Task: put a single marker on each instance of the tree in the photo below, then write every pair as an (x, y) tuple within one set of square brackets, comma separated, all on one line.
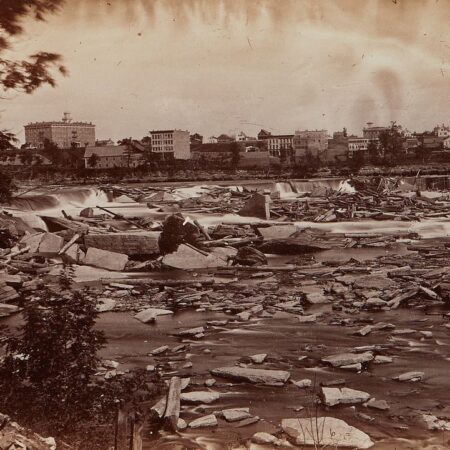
[(49, 366), (7, 140), (357, 161), (26, 75), (391, 144), (7, 187), (374, 153), (235, 155), (93, 160)]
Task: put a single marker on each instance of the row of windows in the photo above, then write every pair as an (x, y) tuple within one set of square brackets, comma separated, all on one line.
[(162, 142)]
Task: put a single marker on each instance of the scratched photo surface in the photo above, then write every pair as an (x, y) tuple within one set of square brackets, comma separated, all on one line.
[(224, 224)]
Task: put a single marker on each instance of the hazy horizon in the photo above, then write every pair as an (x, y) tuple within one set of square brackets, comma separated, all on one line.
[(212, 66)]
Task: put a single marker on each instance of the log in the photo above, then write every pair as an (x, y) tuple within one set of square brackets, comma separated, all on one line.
[(69, 244), (147, 282), (172, 413)]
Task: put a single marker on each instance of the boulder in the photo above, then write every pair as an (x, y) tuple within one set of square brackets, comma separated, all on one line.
[(258, 359), (73, 255), (150, 314), (127, 243), (378, 282), (322, 432), (205, 421), (343, 396), (256, 206), (346, 359), (87, 212), (263, 376), (105, 259)]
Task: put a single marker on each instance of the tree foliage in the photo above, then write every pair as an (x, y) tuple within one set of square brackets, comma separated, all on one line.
[(93, 160), (29, 74), (49, 366), (7, 187)]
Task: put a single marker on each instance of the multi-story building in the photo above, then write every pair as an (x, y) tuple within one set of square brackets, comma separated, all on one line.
[(196, 139), (373, 133), (276, 143), (65, 133), (358, 145), (171, 144), (310, 142)]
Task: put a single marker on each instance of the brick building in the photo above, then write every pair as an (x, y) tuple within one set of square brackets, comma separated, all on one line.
[(170, 144)]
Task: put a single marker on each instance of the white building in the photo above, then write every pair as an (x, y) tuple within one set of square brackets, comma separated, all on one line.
[(442, 131), (357, 145), (171, 143)]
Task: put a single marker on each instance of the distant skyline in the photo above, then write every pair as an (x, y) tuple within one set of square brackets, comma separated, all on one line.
[(218, 66)]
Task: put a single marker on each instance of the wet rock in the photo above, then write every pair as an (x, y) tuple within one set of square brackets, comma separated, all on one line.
[(382, 405), (181, 424), (346, 359), (380, 359), (263, 438), (160, 350), (258, 359), (210, 382), (205, 421), (353, 367), (434, 423), (192, 332), (308, 319), (364, 331), (235, 415), (200, 397), (277, 231), (306, 383), (343, 396), (87, 212), (410, 376), (326, 431), (316, 298), (378, 282), (105, 260), (150, 314), (263, 376)]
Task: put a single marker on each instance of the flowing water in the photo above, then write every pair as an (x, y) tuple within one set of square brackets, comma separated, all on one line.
[(285, 340)]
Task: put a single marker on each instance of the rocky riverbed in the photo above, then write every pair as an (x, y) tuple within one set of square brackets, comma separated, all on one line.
[(337, 335)]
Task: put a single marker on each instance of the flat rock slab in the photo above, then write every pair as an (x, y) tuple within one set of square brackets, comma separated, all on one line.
[(378, 282), (105, 260), (205, 421), (327, 432), (150, 314), (188, 257), (346, 359), (137, 243), (235, 415), (256, 206), (343, 396), (277, 231), (264, 376), (200, 397)]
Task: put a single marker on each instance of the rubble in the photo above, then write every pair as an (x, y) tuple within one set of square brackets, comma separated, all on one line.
[(105, 259)]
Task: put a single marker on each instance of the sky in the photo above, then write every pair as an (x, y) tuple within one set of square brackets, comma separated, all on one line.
[(214, 66)]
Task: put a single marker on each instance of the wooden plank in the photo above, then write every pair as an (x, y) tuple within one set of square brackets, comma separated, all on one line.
[(172, 413)]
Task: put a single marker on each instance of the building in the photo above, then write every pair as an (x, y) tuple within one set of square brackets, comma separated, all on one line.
[(171, 144), (64, 134), (242, 137), (446, 143), (212, 140), (442, 131), (358, 145), (103, 142), (112, 156), (276, 143), (306, 142), (373, 133)]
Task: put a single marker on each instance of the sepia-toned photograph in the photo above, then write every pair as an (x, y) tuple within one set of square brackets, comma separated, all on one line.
[(224, 224)]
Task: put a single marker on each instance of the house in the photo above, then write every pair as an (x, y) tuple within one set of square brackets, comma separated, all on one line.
[(358, 145), (242, 137), (212, 140), (442, 131), (432, 142), (446, 143), (223, 138), (112, 156)]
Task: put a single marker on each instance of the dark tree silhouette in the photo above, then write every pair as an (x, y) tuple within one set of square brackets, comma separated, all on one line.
[(26, 75)]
